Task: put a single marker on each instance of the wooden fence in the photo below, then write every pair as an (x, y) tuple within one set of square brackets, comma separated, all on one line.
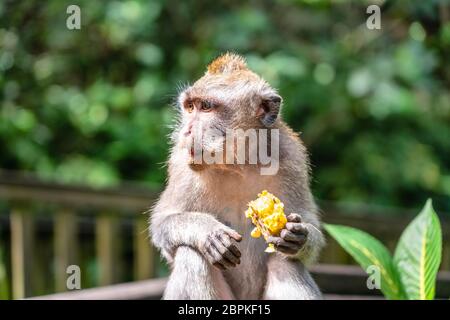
[(45, 227), (68, 214)]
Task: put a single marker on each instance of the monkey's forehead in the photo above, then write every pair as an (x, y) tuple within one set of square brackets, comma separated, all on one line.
[(230, 78), (233, 84)]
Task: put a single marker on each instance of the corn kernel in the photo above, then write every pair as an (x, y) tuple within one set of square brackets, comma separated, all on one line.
[(256, 233)]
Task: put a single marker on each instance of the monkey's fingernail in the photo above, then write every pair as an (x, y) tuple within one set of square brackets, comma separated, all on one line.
[(236, 236), (294, 217)]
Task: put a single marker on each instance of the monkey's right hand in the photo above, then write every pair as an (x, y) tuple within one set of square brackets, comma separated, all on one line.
[(220, 250)]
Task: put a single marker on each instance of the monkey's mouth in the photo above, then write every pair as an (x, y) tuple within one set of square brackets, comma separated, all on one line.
[(198, 154), (193, 155), (193, 164)]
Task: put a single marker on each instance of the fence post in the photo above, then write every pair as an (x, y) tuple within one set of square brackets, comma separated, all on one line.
[(143, 250), (445, 265), (21, 252), (107, 243), (65, 245)]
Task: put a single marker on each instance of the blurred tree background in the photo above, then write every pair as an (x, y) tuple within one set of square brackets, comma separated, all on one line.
[(93, 106)]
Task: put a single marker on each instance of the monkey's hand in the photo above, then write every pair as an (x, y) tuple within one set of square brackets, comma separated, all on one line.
[(292, 237), (220, 250)]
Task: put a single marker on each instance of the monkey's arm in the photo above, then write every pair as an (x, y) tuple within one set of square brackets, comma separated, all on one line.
[(197, 230), (302, 237), (173, 227)]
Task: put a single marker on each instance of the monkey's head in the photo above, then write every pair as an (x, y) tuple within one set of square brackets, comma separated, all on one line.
[(229, 96)]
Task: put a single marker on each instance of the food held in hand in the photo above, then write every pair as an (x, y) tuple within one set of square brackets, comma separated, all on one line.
[(267, 214)]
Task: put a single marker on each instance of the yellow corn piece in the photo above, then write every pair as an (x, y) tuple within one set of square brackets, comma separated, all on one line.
[(267, 214), (256, 233)]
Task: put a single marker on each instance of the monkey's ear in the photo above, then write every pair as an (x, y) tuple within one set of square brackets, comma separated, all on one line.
[(269, 109)]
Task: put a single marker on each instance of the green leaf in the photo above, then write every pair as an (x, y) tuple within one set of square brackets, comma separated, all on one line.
[(4, 291), (418, 254), (368, 251)]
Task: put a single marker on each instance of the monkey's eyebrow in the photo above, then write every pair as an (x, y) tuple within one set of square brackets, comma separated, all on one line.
[(198, 98), (215, 100)]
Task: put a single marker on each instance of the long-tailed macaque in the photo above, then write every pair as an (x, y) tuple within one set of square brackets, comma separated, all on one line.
[(199, 224)]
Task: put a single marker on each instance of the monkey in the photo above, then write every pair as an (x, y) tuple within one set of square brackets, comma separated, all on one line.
[(198, 223)]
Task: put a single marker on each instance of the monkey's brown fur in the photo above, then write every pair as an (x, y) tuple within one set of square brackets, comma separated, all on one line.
[(227, 63), (200, 214)]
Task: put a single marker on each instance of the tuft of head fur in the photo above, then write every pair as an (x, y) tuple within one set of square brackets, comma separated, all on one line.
[(227, 63)]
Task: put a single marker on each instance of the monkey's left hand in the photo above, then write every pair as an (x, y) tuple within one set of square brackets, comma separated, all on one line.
[(293, 237)]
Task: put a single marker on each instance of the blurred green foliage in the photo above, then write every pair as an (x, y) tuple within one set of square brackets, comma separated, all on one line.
[(4, 286), (93, 105)]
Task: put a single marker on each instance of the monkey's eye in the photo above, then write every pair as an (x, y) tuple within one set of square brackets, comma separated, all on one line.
[(206, 106), (189, 107)]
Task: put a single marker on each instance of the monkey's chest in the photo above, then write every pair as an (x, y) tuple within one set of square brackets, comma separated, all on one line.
[(247, 280)]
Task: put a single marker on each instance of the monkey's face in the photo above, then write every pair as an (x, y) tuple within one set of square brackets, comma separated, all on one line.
[(226, 98), (205, 119)]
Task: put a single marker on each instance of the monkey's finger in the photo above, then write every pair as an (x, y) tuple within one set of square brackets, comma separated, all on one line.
[(293, 237), (283, 246), (225, 254), (287, 250), (236, 236), (217, 250), (297, 228), (226, 241), (226, 263), (229, 250), (216, 258), (294, 217), (274, 240), (209, 257), (207, 253), (218, 265), (235, 251), (287, 247), (212, 260)]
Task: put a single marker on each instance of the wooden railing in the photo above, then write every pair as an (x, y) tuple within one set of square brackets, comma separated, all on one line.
[(45, 227), (69, 214)]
